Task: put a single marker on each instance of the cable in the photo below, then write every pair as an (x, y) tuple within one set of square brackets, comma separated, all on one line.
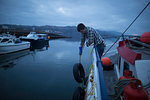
[(128, 27)]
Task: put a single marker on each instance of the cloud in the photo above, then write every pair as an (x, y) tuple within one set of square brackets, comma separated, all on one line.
[(64, 11), (101, 14)]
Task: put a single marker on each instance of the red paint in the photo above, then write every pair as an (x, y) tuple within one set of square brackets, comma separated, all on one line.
[(145, 37), (106, 61), (135, 91), (127, 75), (126, 53)]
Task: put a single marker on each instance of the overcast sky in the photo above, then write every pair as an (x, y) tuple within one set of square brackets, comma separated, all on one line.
[(113, 15)]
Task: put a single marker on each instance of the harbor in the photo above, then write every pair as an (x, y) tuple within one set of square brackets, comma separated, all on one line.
[(40, 74), (35, 66), (33, 71), (74, 50)]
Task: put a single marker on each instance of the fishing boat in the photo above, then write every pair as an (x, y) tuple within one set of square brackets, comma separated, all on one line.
[(12, 44), (34, 36), (36, 40), (128, 79)]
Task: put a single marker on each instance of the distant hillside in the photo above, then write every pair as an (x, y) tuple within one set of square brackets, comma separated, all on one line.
[(68, 31)]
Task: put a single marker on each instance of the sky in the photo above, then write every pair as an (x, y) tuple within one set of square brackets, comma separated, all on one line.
[(110, 15)]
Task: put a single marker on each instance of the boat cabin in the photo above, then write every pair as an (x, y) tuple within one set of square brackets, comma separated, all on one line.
[(34, 35)]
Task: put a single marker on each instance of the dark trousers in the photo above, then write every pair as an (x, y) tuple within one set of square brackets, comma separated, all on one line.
[(100, 49)]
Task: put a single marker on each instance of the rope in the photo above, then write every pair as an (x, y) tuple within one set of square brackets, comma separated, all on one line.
[(79, 58), (88, 76), (119, 88), (90, 55), (91, 66), (147, 86), (91, 91), (127, 28), (146, 93)]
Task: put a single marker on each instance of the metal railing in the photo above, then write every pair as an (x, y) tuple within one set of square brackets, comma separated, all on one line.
[(101, 77)]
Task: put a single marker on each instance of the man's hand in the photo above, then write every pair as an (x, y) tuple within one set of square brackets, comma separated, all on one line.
[(80, 50)]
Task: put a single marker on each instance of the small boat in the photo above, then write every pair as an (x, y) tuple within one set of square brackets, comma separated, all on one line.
[(12, 44), (36, 40), (34, 36)]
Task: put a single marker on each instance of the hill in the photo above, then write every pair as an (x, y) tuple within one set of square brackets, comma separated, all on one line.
[(67, 31)]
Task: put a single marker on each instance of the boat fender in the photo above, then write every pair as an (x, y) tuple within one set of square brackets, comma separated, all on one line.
[(106, 61), (145, 37), (78, 94), (107, 65), (78, 72)]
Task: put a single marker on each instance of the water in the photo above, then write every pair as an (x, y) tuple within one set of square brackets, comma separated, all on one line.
[(41, 74)]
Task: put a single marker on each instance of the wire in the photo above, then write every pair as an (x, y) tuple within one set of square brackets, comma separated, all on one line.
[(127, 28)]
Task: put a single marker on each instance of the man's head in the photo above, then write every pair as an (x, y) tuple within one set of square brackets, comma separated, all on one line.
[(81, 28)]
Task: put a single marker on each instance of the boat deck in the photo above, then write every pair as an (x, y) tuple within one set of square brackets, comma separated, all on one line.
[(111, 79)]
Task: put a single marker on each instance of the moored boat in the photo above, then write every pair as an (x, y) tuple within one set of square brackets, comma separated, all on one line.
[(34, 36), (36, 40), (12, 44)]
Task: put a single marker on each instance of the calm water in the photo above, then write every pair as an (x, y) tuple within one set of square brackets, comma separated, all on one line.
[(41, 74)]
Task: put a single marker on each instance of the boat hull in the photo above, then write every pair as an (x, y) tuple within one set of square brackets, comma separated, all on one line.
[(9, 48), (37, 44)]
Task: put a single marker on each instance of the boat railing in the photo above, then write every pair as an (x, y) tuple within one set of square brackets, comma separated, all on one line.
[(102, 85)]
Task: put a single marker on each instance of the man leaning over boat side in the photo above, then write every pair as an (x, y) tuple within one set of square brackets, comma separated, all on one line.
[(93, 37)]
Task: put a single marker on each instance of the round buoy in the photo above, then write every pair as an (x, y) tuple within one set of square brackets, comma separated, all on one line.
[(106, 61), (107, 65), (49, 37), (145, 37)]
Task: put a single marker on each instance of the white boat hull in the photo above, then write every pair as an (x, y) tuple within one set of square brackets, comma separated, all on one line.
[(11, 47)]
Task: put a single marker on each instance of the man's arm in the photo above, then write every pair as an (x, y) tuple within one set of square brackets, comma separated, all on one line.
[(82, 41)]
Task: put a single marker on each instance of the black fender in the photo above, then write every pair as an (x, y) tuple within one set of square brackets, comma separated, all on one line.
[(78, 72), (78, 94)]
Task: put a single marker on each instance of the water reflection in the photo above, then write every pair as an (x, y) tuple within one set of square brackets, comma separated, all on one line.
[(8, 60), (39, 45), (43, 74)]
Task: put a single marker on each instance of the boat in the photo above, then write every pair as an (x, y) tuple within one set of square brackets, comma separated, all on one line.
[(36, 40), (128, 79), (11, 44), (34, 36)]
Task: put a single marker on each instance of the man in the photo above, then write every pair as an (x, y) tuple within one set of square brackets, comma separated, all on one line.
[(92, 36)]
